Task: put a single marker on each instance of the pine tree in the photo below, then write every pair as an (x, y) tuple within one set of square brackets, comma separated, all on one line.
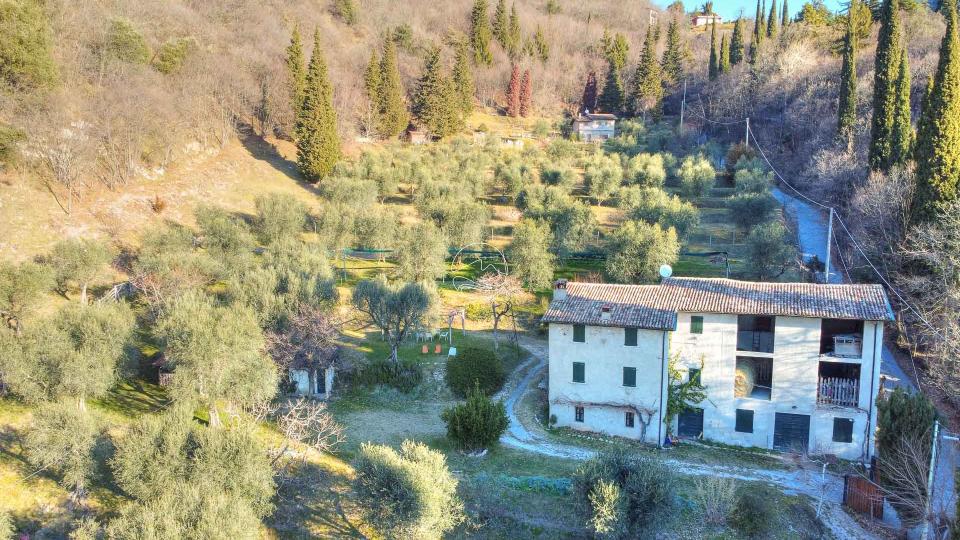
[(938, 142), (772, 20), (611, 98), (463, 80), (714, 60), (588, 103), (480, 33), (757, 34), (296, 69), (514, 36), (902, 130), (884, 91), (436, 101), (673, 55), (393, 117), (724, 65), (847, 112), (737, 45), (786, 15), (500, 23), (763, 17), (541, 49), (372, 84), (513, 93), (648, 85), (318, 144), (526, 94)]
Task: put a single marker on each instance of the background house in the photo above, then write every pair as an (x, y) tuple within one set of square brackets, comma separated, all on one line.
[(594, 126)]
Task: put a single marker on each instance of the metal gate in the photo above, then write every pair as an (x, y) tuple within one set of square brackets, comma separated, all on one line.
[(791, 432), (862, 495), (690, 424)]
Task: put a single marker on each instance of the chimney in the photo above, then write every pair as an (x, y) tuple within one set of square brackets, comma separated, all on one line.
[(605, 312), (560, 289)]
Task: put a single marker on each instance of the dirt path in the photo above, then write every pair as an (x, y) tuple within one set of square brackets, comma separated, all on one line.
[(800, 481)]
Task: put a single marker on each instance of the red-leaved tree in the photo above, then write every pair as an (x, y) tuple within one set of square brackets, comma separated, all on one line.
[(513, 93), (526, 94)]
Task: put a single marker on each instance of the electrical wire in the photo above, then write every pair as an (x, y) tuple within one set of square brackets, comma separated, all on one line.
[(782, 179)]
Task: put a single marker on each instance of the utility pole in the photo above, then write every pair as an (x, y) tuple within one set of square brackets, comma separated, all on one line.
[(746, 139), (826, 276), (933, 466), (683, 105)]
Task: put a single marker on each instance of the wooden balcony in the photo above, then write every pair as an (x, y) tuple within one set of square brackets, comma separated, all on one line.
[(838, 392)]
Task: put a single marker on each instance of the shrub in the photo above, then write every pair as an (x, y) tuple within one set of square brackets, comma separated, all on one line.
[(752, 181), (647, 170), (10, 138), (472, 367), (558, 175), (696, 174), (754, 511), (716, 496), (407, 494), (279, 217), (172, 54), (26, 59), (736, 153), (126, 43), (657, 206), (749, 209), (645, 484), (607, 510), (476, 423), (404, 375), (541, 129), (478, 311)]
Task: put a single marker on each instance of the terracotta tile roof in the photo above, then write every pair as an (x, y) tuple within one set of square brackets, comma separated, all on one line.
[(655, 306)]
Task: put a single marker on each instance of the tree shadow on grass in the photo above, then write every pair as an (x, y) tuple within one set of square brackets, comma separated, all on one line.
[(268, 153), (314, 503)]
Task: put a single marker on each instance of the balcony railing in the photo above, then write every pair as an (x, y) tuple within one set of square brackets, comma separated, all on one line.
[(838, 392), (755, 341)]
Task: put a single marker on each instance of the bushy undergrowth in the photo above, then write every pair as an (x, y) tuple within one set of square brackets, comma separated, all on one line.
[(475, 367), (754, 512), (404, 375), (476, 423)]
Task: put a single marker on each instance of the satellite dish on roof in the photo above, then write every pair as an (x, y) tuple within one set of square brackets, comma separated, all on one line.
[(665, 271)]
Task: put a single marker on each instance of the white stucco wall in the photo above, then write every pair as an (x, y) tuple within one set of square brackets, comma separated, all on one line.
[(604, 356)]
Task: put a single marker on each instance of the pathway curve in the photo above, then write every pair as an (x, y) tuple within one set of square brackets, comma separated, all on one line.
[(803, 481)]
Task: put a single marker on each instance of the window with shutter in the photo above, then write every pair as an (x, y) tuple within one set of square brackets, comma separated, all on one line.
[(630, 337), (578, 372), (628, 419), (696, 324), (843, 430), (744, 421), (578, 414), (629, 376), (579, 333)]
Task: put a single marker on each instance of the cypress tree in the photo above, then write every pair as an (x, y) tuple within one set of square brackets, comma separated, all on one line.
[(513, 93), (480, 33), (500, 23), (648, 89), (435, 103), (514, 37), (785, 15), (938, 143), (714, 61), (372, 84), (296, 69), (884, 91), (588, 103), (737, 44), (463, 80), (526, 94), (611, 98), (902, 130), (393, 117), (724, 66), (673, 55), (772, 21), (318, 144), (847, 111), (757, 34), (763, 17)]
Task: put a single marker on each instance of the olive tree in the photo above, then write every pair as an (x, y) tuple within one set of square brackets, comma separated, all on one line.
[(636, 250), (530, 255), (216, 353), (79, 261), (421, 253), (226, 238), (770, 251), (61, 440), (396, 311), (21, 287), (279, 216), (696, 174)]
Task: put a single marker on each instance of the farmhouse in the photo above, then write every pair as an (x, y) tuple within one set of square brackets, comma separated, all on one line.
[(594, 126), (786, 366)]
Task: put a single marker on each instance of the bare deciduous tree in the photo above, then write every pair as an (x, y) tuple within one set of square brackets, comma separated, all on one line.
[(501, 291)]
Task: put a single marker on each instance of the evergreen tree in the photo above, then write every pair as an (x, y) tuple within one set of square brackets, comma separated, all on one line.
[(463, 80), (772, 20), (847, 111), (615, 49), (611, 98), (540, 49), (436, 100), (296, 69), (513, 93), (372, 84), (589, 100), (938, 141), (884, 86), (758, 33), (648, 89), (714, 60), (786, 15), (763, 17), (737, 44), (480, 33), (393, 116), (526, 94), (724, 65), (673, 55), (318, 144), (514, 36), (500, 23), (902, 130)]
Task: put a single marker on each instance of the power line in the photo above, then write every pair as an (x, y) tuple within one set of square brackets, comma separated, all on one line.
[(842, 261), (782, 179)]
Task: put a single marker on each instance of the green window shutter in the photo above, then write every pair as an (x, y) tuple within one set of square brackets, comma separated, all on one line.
[(578, 372), (696, 324), (744, 421), (579, 333), (630, 337), (629, 376), (843, 430)]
